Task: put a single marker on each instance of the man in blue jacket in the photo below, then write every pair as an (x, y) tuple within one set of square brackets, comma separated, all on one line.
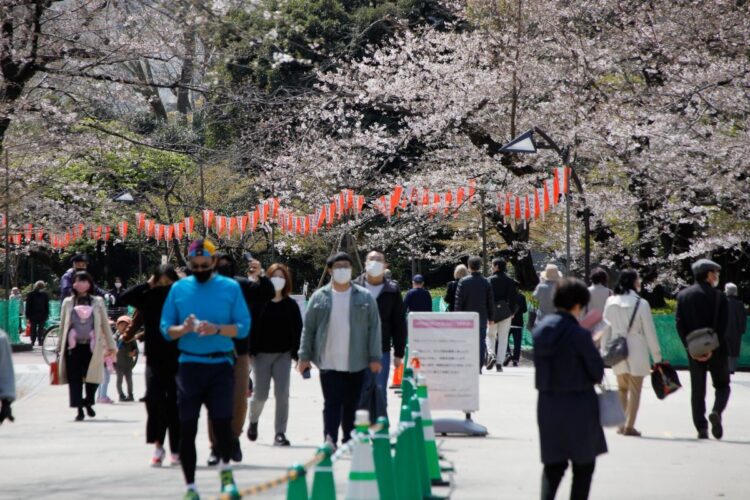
[(204, 312), (342, 337)]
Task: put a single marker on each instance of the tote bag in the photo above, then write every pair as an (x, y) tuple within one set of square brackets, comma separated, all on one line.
[(611, 413)]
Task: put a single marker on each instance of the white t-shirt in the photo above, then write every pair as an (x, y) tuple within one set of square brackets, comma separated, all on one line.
[(335, 355), (374, 289)]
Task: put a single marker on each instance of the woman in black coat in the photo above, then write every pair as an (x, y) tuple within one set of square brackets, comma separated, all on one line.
[(568, 366), (450, 291)]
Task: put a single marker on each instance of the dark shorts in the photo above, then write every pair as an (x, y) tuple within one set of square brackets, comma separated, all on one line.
[(205, 384)]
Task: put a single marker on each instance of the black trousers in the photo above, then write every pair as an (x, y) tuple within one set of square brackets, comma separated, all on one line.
[(76, 365), (37, 331), (341, 392), (516, 333), (553, 474), (718, 367), (161, 404)]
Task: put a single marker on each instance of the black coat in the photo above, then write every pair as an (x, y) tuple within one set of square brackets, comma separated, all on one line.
[(117, 297), (736, 325), (503, 288), (150, 301), (568, 366), (450, 295), (257, 294), (474, 293), (392, 316), (37, 306), (696, 308)]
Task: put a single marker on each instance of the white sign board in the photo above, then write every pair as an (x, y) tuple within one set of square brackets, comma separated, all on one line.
[(300, 300), (447, 345)]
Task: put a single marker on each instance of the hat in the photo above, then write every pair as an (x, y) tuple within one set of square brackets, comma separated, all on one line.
[(338, 257), (418, 278), (201, 248), (551, 273), (124, 318), (704, 266), (730, 289)]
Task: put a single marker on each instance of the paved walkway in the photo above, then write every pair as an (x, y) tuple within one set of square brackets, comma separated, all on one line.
[(45, 454)]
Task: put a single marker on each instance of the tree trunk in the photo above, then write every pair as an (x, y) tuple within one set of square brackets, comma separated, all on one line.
[(186, 77)]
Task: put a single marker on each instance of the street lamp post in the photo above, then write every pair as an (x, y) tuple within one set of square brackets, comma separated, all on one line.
[(127, 197)]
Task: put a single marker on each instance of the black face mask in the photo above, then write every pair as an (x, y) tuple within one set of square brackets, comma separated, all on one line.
[(203, 276), (224, 271)]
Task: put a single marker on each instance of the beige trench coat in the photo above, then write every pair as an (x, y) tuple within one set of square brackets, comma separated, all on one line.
[(104, 340), (642, 338)]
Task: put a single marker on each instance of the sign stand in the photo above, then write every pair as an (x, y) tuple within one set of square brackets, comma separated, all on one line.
[(447, 345)]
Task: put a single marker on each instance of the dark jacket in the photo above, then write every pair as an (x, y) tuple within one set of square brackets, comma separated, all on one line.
[(279, 328), (117, 297), (503, 288), (392, 316), (474, 293), (418, 300), (696, 308), (150, 301), (519, 305), (567, 366), (37, 306), (450, 295), (736, 325), (257, 294)]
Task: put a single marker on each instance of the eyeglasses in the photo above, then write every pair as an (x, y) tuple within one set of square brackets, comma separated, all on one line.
[(194, 267)]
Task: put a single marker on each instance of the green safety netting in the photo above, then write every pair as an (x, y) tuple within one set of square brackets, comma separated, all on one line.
[(672, 349), (10, 318)]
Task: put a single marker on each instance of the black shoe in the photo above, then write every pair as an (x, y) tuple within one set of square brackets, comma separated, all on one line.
[(515, 363), (213, 458), (123, 398), (491, 363), (252, 432), (507, 361), (236, 451), (142, 400), (499, 368), (90, 411), (716, 429), (702, 433), (281, 440), (80, 416), (130, 398)]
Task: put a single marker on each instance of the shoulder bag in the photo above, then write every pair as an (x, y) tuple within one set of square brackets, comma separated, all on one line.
[(704, 340), (617, 349)]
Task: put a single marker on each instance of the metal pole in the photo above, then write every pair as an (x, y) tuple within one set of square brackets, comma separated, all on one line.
[(567, 217), (484, 233)]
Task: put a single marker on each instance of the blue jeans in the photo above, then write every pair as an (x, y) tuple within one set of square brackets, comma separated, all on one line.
[(482, 344), (381, 379), (105, 385)]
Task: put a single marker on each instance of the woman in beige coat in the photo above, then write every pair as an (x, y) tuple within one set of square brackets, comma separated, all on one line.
[(85, 338), (641, 338)]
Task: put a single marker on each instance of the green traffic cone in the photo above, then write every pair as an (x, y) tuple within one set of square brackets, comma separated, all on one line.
[(419, 446), (381, 451), (324, 487), (407, 471), (363, 484), (297, 489), (433, 459), (408, 386)]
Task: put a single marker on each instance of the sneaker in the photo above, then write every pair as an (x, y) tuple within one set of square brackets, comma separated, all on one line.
[(716, 429), (252, 431), (281, 440), (174, 460), (499, 368), (236, 451), (191, 495), (158, 459), (329, 440), (213, 458), (130, 398), (123, 398), (491, 363), (507, 361), (228, 487), (515, 363)]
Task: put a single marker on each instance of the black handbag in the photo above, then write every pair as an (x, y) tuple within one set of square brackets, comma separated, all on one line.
[(617, 349), (373, 400), (531, 320), (664, 380), (502, 310)]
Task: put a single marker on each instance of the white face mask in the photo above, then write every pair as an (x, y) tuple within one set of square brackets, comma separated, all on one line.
[(375, 268), (278, 283), (342, 275), (118, 285)]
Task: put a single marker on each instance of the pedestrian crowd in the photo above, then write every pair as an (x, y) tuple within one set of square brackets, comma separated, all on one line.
[(216, 339)]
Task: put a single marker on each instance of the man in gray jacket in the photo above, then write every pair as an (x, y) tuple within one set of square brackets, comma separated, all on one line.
[(474, 293), (341, 335)]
